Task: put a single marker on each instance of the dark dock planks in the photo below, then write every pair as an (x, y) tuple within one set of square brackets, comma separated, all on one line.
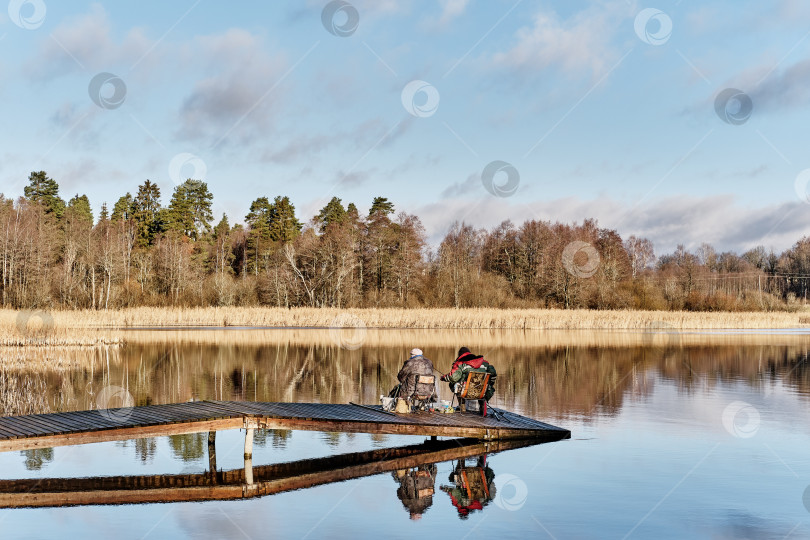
[(81, 427)]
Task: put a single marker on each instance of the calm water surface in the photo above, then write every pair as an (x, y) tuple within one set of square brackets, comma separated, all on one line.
[(670, 440)]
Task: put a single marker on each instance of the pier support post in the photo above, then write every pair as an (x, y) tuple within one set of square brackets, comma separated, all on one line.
[(248, 471), (249, 443), (212, 452)]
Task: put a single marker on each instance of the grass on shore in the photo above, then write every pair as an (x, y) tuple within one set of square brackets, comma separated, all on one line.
[(89, 328)]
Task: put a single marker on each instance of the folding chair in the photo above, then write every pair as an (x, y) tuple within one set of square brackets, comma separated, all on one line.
[(474, 388), (420, 400)]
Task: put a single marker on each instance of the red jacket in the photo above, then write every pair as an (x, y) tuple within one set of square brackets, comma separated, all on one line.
[(469, 359)]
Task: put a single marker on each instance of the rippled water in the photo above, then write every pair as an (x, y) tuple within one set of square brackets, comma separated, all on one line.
[(672, 438)]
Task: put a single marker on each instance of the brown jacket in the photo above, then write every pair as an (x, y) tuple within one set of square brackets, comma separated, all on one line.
[(415, 365)]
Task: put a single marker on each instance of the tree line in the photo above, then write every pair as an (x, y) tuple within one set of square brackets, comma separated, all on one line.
[(57, 254)]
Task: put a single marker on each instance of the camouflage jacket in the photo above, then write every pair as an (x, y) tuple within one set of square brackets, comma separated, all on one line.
[(415, 365)]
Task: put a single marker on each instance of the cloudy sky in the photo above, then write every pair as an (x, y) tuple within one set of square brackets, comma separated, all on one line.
[(613, 110)]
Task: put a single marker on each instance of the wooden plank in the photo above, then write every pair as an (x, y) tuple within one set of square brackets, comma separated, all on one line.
[(93, 426), (71, 421), (20, 425), (118, 434), (7, 433), (49, 424), (209, 411)]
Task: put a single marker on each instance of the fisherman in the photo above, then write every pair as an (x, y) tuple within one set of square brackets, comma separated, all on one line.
[(466, 362), (417, 364)]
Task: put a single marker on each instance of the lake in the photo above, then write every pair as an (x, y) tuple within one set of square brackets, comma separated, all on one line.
[(696, 435)]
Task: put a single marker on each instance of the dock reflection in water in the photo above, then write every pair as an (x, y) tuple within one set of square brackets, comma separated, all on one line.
[(413, 467)]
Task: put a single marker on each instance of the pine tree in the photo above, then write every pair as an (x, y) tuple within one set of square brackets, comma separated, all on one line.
[(124, 208), (45, 191), (382, 206), (147, 214), (352, 213), (80, 208), (380, 241), (258, 221), (222, 230), (190, 209), (283, 226), (330, 214)]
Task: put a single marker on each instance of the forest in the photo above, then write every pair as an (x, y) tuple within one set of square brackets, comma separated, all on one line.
[(58, 255)]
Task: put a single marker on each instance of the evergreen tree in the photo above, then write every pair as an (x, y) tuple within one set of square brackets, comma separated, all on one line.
[(283, 226), (190, 209), (222, 230), (104, 215), (258, 221), (380, 242), (45, 191), (124, 208), (333, 212), (352, 212), (382, 206), (79, 207), (146, 211)]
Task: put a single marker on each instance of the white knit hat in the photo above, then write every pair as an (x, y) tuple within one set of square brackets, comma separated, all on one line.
[(416, 352)]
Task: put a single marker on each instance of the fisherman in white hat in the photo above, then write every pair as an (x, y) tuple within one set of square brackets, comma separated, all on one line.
[(417, 364)]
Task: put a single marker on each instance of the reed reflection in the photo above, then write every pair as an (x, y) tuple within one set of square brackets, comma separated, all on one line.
[(541, 381)]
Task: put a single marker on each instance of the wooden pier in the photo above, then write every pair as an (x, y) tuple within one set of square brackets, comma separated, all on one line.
[(82, 427), (239, 483)]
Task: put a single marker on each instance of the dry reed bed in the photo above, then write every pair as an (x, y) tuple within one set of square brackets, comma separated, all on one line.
[(88, 328), (479, 340), (536, 319)]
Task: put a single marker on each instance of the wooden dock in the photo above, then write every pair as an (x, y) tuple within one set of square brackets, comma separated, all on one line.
[(82, 427), (239, 483)]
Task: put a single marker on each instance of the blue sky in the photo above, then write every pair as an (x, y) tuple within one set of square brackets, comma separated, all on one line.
[(599, 120)]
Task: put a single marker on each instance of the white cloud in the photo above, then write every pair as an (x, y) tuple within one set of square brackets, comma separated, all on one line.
[(238, 98), (581, 43), (668, 222), (84, 43), (451, 10)]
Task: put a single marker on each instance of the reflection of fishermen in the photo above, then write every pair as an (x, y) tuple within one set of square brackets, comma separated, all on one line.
[(416, 488), (473, 488), (417, 364)]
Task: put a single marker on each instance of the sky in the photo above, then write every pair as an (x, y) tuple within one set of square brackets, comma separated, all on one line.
[(683, 122)]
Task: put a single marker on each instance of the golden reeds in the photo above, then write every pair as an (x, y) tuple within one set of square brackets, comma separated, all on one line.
[(45, 324), (90, 328)]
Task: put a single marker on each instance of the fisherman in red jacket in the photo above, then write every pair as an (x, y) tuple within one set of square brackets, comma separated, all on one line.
[(466, 362)]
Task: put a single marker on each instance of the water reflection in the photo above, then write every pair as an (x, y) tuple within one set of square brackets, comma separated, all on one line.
[(36, 458), (414, 468), (544, 381), (144, 449), (188, 447), (416, 487), (473, 486)]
